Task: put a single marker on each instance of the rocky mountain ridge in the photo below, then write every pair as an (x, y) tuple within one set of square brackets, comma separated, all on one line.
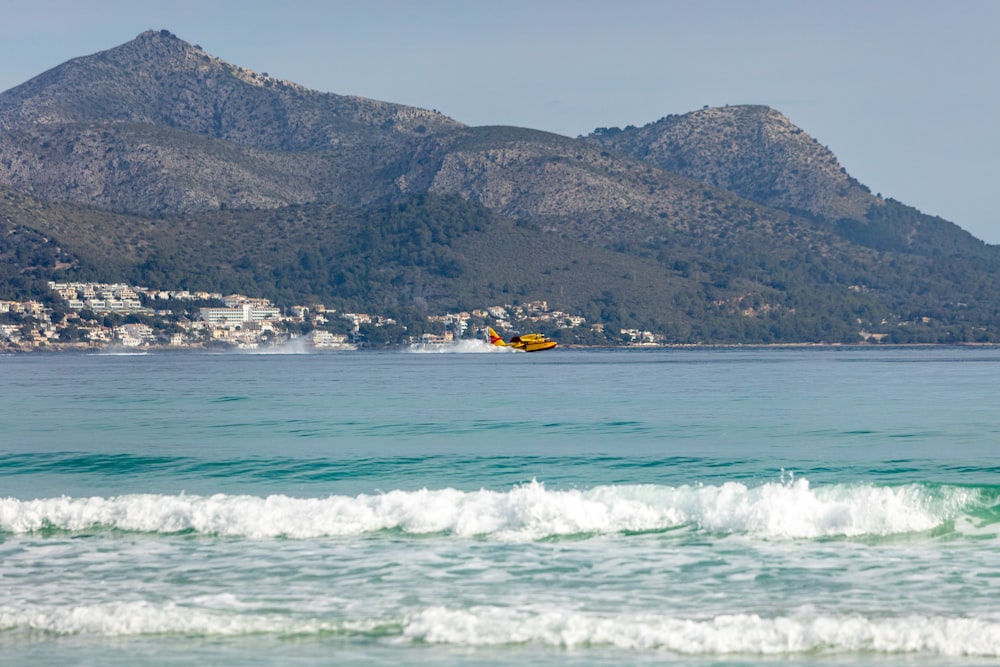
[(158, 125), (158, 79), (767, 158), (730, 215)]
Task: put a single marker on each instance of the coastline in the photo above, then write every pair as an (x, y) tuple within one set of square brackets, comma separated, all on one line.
[(67, 348)]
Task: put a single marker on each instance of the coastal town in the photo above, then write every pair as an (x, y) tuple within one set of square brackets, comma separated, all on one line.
[(88, 316)]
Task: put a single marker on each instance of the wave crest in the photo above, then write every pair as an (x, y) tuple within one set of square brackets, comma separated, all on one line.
[(723, 634), (791, 509), (499, 626)]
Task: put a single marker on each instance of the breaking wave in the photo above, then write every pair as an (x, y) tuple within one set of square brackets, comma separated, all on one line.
[(783, 510), (744, 633), (723, 634)]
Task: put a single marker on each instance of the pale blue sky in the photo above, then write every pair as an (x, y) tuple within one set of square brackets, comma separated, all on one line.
[(905, 92)]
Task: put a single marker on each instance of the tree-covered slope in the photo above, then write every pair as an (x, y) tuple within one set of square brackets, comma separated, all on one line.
[(159, 164), (434, 254)]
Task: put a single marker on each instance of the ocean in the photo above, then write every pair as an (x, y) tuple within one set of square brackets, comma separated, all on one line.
[(739, 506)]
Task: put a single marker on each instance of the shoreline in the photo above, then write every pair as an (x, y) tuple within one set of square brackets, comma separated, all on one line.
[(118, 350)]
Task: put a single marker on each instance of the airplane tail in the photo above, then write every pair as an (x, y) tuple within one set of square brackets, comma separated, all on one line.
[(495, 338)]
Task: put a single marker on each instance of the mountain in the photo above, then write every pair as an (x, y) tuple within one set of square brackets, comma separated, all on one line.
[(767, 158), (158, 125), (156, 162), (755, 152)]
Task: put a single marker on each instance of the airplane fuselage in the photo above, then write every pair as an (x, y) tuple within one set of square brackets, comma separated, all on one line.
[(532, 342)]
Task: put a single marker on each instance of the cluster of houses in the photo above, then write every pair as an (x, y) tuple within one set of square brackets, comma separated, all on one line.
[(508, 317), (99, 315)]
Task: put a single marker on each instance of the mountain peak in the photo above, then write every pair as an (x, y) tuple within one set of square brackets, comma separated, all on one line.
[(158, 79), (158, 37), (753, 151), (156, 124), (168, 47), (151, 44)]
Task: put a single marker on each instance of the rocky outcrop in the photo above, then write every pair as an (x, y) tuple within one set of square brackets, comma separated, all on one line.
[(160, 125), (752, 151)]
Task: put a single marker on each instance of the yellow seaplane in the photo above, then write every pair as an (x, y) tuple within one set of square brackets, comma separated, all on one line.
[(528, 342)]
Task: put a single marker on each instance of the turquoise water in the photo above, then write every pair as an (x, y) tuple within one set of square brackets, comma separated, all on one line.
[(677, 507)]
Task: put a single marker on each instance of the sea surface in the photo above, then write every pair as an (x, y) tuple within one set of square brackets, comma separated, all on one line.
[(815, 506)]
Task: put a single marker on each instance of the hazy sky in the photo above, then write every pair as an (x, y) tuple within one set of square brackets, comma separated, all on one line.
[(906, 93)]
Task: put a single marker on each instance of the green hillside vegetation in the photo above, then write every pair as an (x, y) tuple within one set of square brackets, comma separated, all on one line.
[(432, 254), (27, 261), (157, 164)]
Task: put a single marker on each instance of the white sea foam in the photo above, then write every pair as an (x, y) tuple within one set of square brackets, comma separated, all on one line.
[(744, 633), (115, 619), (299, 345), (125, 618), (723, 634), (527, 512), (464, 346)]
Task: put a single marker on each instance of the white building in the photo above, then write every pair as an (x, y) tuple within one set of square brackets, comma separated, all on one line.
[(248, 312)]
